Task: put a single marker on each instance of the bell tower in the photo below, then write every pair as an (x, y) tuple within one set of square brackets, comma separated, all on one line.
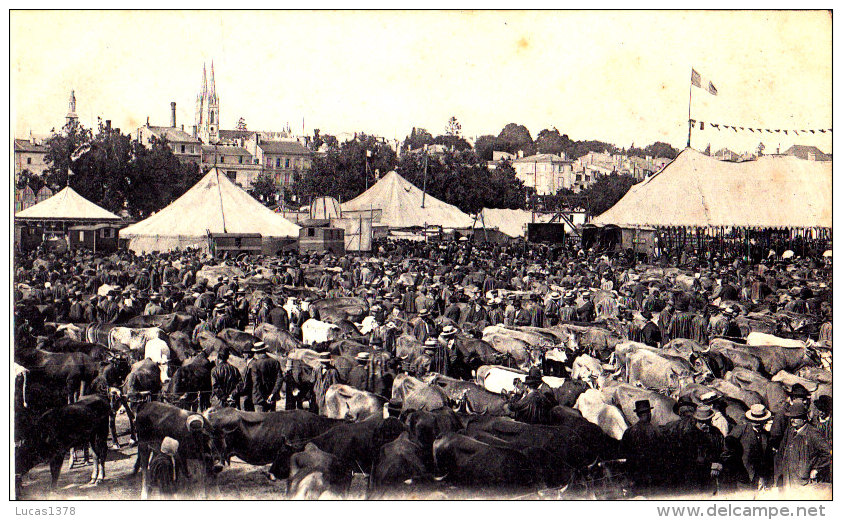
[(72, 118)]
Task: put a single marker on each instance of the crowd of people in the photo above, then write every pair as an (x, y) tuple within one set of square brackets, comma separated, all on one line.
[(437, 292)]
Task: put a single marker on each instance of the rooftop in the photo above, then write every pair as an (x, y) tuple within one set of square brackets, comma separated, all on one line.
[(283, 147), (225, 149), (542, 157), (25, 145), (173, 135)]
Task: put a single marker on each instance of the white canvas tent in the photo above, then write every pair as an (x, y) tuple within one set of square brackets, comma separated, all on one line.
[(215, 205), (400, 203), (512, 222), (699, 191), (67, 205)]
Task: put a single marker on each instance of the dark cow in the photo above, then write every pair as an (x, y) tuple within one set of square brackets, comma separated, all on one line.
[(355, 444), (418, 395), (335, 309), (190, 387), (773, 393), (195, 435), (169, 323), (210, 344), (96, 352), (277, 340), (472, 397), (143, 382), (775, 358), (257, 437), (73, 371), (475, 353), (574, 442), (426, 426), (78, 425), (399, 469), (476, 465), (569, 392), (238, 340), (181, 348), (108, 384)]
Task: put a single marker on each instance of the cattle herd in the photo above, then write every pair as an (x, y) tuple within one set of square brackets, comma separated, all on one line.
[(426, 370)]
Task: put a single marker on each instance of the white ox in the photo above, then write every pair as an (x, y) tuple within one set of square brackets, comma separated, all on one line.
[(126, 338), (595, 408), (315, 331), (760, 339), (499, 379)]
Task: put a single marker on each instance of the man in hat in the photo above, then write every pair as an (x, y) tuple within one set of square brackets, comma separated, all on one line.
[(265, 377), (510, 313), (798, 394), (823, 421), (359, 375), (705, 449), (650, 334), (326, 375), (587, 311), (241, 309), (225, 381), (424, 326), (753, 440), (804, 454), (567, 311), (456, 365), (495, 315), (534, 407), (641, 445), (719, 421), (423, 363)]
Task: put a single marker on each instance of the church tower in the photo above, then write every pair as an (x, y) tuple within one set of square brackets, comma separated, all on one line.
[(72, 118), (207, 109)]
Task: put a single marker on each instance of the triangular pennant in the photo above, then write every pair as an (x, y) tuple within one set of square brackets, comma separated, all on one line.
[(741, 128), (701, 125), (796, 132), (822, 131), (785, 132), (751, 130), (812, 131)]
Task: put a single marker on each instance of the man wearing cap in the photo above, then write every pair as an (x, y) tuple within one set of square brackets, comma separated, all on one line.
[(650, 334), (225, 381), (326, 375), (753, 440), (642, 445), (264, 377), (823, 421), (534, 407), (423, 363), (798, 394), (587, 311), (719, 420), (804, 454), (153, 308), (241, 309)]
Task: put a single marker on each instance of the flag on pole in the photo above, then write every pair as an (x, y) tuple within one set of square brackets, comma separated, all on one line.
[(80, 151), (697, 80)]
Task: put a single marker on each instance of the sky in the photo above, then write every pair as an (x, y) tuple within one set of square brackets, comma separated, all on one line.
[(621, 77)]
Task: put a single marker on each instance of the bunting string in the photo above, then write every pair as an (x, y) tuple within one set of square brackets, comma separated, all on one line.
[(720, 127)]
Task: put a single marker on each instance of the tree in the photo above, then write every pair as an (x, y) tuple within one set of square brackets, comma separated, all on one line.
[(345, 171), (27, 178), (461, 179), (264, 188), (116, 172), (551, 141), (760, 148), (485, 146), (417, 139), (452, 141), (514, 138), (453, 127), (241, 124), (606, 191)]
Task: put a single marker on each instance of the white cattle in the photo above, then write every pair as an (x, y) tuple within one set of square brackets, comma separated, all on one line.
[(368, 325), (761, 339), (498, 379), (314, 331), (586, 368), (158, 351), (125, 338), (593, 406)]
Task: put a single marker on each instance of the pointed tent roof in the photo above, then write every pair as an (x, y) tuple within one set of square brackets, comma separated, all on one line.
[(512, 222), (202, 208), (66, 205), (699, 191), (400, 202)]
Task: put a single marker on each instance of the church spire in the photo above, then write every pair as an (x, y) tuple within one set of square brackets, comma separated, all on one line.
[(71, 109), (212, 93)]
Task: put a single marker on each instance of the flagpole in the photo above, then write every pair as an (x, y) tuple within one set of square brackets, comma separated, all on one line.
[(689, 104)]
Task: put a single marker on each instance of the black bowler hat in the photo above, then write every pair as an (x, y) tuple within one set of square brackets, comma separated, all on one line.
[(642, 406)]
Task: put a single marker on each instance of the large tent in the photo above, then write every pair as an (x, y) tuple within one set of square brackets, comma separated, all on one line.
[(512, 222), (214, 205), (698, 191), (68, 206), (400, 203)]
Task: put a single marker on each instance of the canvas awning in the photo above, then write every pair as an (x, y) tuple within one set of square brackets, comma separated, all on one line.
[(67, 205)]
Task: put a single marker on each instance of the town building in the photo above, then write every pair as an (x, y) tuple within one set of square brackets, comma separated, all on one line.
[(808, 153), (186, 147), (546, 173), (30, 154)]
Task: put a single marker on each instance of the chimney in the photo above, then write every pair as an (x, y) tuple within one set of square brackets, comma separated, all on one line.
[(31, 137), (147, 121), (108, 124), (172, 106), (182, 127)]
